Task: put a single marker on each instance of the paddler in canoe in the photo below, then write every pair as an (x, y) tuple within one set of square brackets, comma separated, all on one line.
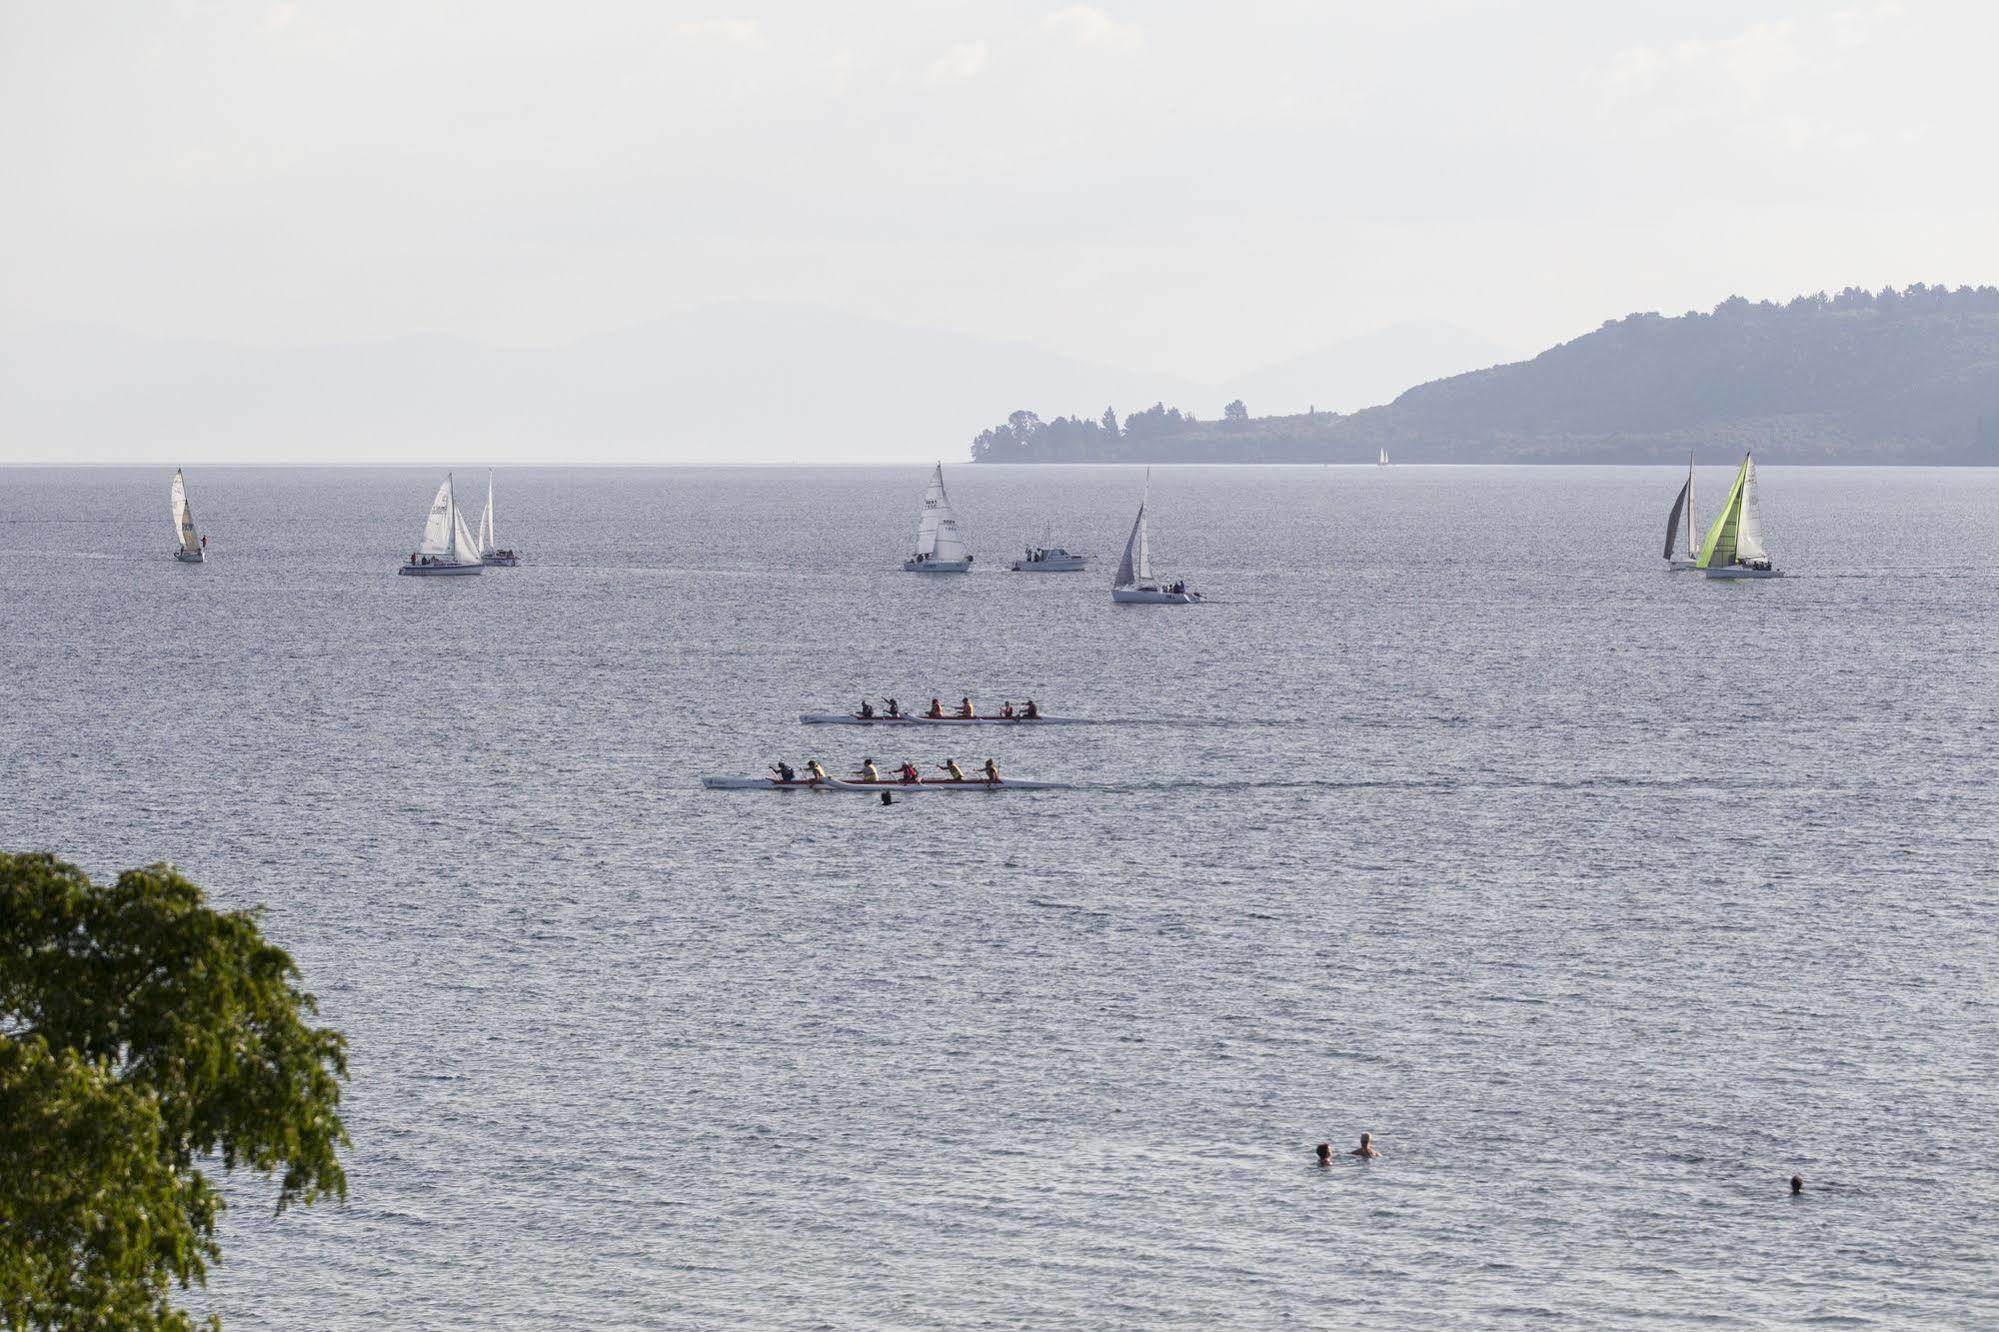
[(992, 772), (786, 774), (910, 776), (869, 772), (867, 712), (817, 773), (1032, 713), (965, 710), (951, 769), (936, 712)]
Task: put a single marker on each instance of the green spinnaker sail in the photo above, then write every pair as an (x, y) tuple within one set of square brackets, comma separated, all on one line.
[(1719, 548)]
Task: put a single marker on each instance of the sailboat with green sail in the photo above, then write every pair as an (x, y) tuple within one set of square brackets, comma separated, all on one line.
[(1734, 546)]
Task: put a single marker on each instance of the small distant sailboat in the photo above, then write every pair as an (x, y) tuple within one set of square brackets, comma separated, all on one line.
[(447, 547), (940, 547), (189, 546), (1134, 582), (488, 552), (1382, 461), (1734, 545), (1683, 506)]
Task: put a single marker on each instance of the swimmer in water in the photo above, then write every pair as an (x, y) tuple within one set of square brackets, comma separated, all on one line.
[(1325, 1153), (1797, 1185), (1366, 1151)]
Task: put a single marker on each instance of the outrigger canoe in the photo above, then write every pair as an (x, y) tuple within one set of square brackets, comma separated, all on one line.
[(886, 784), (911, 719)]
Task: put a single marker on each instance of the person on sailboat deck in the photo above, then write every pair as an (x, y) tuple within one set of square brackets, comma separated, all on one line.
[(867, 710), (936, 708), (992, 771), (957, 773), (965, 708), (784, 771), (1032, 713)]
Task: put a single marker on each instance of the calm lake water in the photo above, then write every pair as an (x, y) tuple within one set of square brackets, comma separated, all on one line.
[(1605, 898)]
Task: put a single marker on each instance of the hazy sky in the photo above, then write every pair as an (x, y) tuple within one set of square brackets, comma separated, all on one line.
[(1184, 188)]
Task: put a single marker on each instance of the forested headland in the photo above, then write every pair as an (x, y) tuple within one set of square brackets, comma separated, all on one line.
[(1908, 376)]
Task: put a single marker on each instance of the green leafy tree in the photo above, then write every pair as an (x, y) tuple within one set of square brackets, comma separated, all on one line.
[(1236, 413), (145, 1039)]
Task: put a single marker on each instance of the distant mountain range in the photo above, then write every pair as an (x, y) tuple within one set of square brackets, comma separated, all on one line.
[(741, 382), (1908, 376)]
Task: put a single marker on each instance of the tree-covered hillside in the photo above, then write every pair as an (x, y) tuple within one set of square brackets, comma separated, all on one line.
[(1895, 376)]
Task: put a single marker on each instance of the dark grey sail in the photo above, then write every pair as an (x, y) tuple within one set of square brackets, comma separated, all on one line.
[(1673, 519)]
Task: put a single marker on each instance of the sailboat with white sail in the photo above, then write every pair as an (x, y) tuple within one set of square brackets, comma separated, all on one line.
[(190, 547), (1683, 507), (1382, 460), (488, 552), (448, 548), (940, 546), (1734, 546), (1135, 583)]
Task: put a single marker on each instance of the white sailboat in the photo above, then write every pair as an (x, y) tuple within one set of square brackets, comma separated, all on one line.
[(1382, 461), (448, 548), (1683, 507), (1135, 583), (1734, 545), (488, 552), (189, 546), (940, 547)]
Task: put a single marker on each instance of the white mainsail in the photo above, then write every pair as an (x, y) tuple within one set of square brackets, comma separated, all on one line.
[(1749, 531), (1136, 566), (937, 536), (486, 518), (184, 531), (444, 533)]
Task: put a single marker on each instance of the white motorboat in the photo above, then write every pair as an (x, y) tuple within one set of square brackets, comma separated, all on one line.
[(1135, 584), (448, 548), (1734, 545), (940, 547), (1050, 559), (488, 552), (1683, 506), (190, 547)]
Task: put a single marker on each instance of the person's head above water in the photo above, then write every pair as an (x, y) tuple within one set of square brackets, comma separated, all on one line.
[(1325, 1153), (1797, 1183), (1366, 1150)]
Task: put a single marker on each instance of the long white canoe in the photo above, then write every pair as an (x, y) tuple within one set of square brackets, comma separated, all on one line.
[(835, 784), (855, 719)]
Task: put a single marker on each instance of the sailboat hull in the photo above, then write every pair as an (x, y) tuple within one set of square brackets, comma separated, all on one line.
[(1152, 596), (500, 561), (191, 556), (936, 566), (1682, 566), (1742, 571), (439, 570)]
